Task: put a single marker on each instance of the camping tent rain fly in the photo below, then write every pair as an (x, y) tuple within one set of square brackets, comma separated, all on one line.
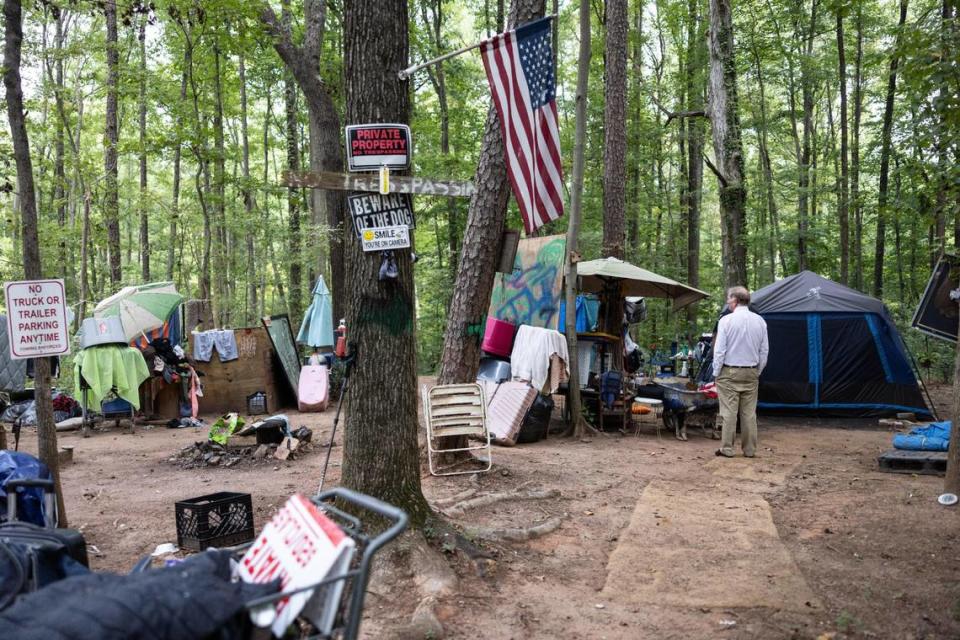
[(833, 350)]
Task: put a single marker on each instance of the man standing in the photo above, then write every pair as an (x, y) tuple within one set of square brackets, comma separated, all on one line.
[(739, 356)]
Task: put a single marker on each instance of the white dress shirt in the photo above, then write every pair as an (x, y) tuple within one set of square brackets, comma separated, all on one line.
[(741, 341)]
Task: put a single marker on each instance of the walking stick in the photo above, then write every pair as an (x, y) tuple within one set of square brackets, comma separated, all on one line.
[(348, 363)]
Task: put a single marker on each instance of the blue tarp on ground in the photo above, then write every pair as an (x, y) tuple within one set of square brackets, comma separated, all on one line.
[(932, 437)]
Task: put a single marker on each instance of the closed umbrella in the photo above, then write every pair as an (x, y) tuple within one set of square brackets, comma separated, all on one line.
[(316, 330), (141, 308)]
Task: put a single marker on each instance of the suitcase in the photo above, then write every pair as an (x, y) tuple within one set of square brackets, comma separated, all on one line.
[(48, 540)]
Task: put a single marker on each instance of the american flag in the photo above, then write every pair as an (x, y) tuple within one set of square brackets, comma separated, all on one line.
[(519, 67)]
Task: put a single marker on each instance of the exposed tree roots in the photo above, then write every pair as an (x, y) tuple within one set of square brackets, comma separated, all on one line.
[(493, 498), (516, 534)]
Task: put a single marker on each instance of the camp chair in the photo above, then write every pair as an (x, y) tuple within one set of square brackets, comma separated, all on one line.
[(455, 410)]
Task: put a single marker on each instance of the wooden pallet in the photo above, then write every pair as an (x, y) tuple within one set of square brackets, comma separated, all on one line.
[(921, 462)]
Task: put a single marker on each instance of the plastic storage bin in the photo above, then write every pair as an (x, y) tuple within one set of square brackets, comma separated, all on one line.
[(498, 337)]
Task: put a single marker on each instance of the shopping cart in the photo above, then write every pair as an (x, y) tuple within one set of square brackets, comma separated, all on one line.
[(356, 514)]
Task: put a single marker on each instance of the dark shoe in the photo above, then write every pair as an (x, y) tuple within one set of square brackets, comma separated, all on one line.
[(752, 455)]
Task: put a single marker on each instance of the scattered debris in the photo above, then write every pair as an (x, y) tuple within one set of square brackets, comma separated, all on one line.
[(164, 549), (207, 453)]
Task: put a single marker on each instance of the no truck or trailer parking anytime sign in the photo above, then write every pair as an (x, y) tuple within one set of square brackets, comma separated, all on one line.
[(371, 146), (37, 318), (374, 211)]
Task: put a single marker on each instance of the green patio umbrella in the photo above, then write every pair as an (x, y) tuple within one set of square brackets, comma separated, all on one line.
[(140, 308), (316, 330)]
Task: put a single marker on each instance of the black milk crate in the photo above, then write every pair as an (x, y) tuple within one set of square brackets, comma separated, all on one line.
[(223, 519)]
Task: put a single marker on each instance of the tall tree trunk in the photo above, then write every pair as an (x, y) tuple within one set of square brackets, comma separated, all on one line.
[(573, 228), (944, 133), (326, 153), (843, 193), (693, 192), (855, 203), (59, 174), (293, 198), (807, 71), (249, 225), (381, 455), (142, 204), (478, 260), (727, 143), (615, 130), (111, 205), (32, 266), (222, 273), (636, 174), (177, 157), (438, 79), (771, 202), (882, 212)]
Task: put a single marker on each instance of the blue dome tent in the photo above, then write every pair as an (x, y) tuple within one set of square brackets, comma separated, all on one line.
[(833, 350)]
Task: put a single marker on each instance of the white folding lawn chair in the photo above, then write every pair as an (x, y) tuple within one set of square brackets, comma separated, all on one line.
[(456, 410)]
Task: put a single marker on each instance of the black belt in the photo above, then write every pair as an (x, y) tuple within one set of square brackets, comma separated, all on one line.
[(741, 366)]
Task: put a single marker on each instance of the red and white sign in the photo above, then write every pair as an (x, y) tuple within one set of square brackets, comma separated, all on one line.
[(371, 146), (300, 546), (37, 318)]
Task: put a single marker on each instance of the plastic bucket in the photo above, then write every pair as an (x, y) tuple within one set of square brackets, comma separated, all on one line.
[(498, 337)]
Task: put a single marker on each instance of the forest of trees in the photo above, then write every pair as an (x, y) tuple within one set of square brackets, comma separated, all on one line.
[(819, 134)]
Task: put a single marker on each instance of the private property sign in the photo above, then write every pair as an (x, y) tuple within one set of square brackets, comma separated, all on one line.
[(371, 146), (37, 318)]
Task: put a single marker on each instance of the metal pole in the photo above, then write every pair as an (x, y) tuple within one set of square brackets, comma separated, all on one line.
[(403, 74)]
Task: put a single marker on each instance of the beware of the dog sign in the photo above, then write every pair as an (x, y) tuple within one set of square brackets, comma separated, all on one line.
[(371, 146)]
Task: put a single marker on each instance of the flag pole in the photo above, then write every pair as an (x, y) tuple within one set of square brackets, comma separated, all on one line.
[(403, 74)]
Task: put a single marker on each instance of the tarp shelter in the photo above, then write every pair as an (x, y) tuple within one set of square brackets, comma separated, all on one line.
[(833, 350)]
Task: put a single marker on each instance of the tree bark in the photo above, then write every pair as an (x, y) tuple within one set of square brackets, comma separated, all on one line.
[(478, 253), (32, 266), (381, 455), (142, 204), (727, 143), (111, 205), (615, 130), (177, 157), (885, 158), (843, 195)]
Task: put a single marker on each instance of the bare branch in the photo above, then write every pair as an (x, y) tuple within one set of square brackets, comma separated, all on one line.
[(716, 172)]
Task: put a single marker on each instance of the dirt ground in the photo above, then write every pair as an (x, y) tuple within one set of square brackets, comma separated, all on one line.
[(659, 538)]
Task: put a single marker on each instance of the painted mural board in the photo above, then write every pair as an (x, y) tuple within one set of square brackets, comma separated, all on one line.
[(532, 293)]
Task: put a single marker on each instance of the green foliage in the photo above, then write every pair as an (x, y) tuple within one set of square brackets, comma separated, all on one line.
[(667, 73)]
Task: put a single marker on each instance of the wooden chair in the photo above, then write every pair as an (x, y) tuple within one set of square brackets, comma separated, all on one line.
[(456, 410), (611, 382)]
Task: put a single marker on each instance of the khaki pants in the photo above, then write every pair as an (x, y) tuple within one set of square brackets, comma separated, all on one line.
[(737, 389)]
